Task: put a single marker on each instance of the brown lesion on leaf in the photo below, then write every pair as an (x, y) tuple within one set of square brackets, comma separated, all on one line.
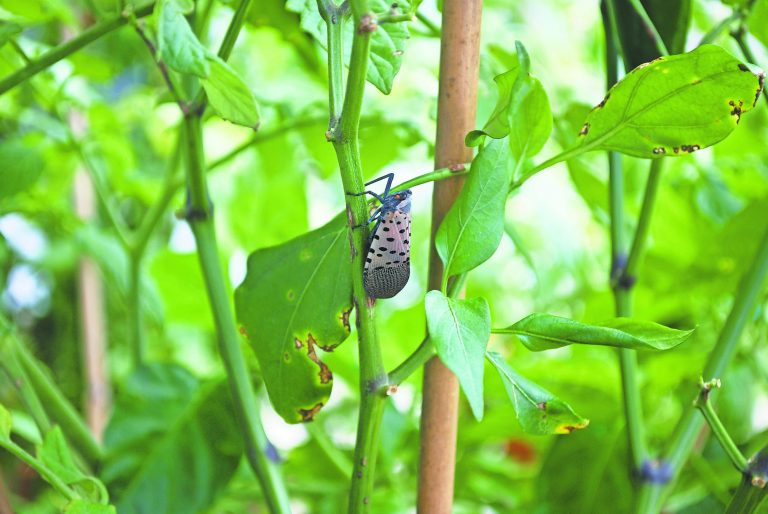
[(760, 86), (243, 332), (541, 405), (584, 130), (743, 67), (603, 102), (309, 414), (345, 319), (736, 111), (689, 148), (659, 150), (325, 373), (676, 149), (569, 428), (297, 342)]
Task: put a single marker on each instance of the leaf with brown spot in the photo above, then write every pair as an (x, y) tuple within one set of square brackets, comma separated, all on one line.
[(538, 411), (287, 329), (681, 101)]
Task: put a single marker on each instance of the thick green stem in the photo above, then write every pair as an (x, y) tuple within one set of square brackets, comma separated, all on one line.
[(747, 498), (344, 134), (135, 312), (233, 31), (45, 473), (200, 217), (73, 45), (689, 426), (630, 388)]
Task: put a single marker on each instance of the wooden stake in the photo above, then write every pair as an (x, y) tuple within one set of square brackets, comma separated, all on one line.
[(456, 109)]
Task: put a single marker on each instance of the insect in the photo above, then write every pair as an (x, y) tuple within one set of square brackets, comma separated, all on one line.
[(388, 260)]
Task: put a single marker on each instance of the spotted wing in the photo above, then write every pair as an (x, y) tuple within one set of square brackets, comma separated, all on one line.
[(388, 263)]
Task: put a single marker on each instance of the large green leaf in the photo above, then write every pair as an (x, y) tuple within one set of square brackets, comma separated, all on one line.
[(674, 105), (473, 227), (172, 442), (460, 330), (387, 41), (229, 95), (296, 299), (671, 19), (537, 410), (177, 45), (522, 111), (21, 166), (540, 332)]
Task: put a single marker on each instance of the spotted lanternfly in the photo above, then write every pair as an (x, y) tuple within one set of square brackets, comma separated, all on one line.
[(388, 258)]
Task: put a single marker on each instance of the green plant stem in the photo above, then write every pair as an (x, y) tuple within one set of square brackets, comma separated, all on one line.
[(393, 18), (45, 473), (563, 156), (135, 312), (644, 220), (199, 215), (20, 379), (688, 428), (747, 498), (433, 28), (331, 451), (412, 363), (344, 135), (650, 26), (713, 420), (718, 29), (233, 30), (746, 51), (630, 389), (73, 45)]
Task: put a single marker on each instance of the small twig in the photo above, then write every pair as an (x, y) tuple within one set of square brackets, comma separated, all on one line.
[(433, 28), (705, 406), (183, 105), (381, 19)]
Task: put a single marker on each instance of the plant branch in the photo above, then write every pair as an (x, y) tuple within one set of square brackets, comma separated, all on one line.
[(739, 36), (705, 406), (644, 221), (73, 45), (163, 68), (633, 412), (650, 27), (233, 30), (381, 19), (200, 217), (689, 426), (432, 27)]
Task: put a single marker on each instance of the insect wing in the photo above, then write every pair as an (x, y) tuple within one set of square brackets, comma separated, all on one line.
[(388, 263)]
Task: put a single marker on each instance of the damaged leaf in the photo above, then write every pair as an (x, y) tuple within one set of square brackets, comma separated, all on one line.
[(294, 301), (538, 411), (540, 332), (674, 105)]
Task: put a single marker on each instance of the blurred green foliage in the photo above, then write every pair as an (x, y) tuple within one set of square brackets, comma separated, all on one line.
[(105, 111)]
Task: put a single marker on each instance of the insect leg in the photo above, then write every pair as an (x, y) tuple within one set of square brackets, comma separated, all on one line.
[(379, 198), (375, 216), (389, 177)]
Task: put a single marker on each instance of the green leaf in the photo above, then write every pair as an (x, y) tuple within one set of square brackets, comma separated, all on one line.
[(460, 330), (55, 454), (229, 95), (674, 105), (295, 300), (22, 165), (5, 424), (88, 507), (540, 332), (497, 125), (172, 442), (387, 41), (522, 111), (671, 19), (177, 44), (474, 226), (538, 411), (8, 29)]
